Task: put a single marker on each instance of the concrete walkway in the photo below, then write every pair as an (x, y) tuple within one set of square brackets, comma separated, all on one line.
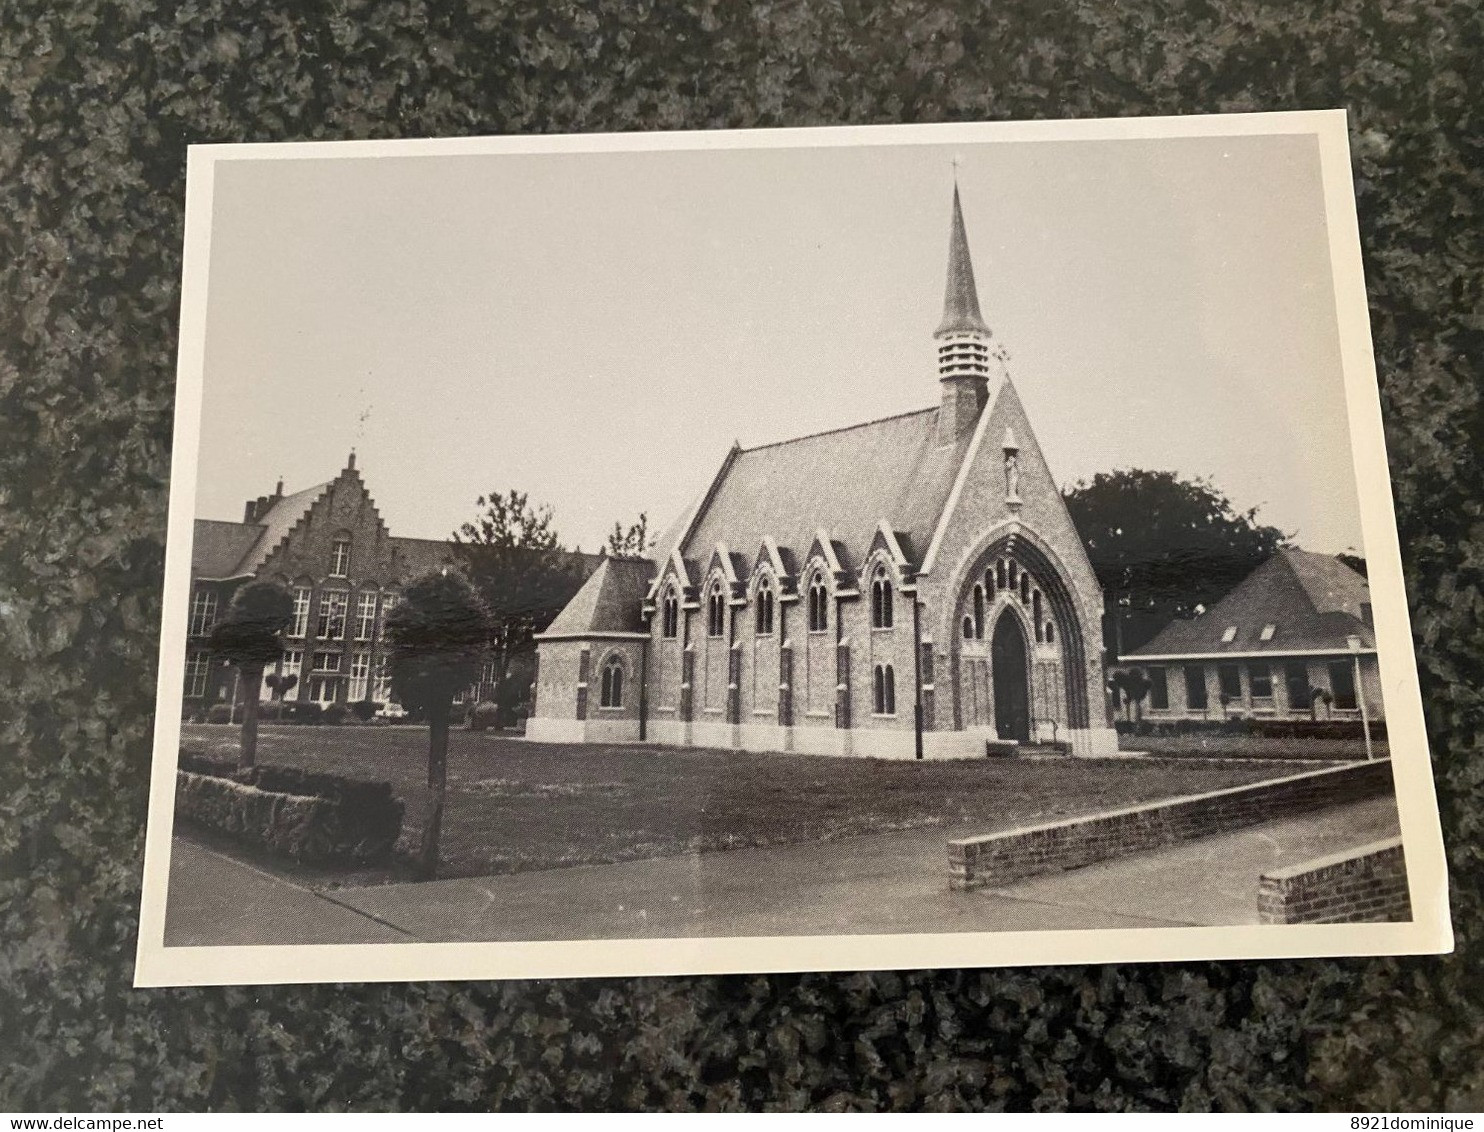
[(887, 883), (215, 899)]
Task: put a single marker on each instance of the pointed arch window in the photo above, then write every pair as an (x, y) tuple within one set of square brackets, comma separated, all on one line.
[(1036, 615), (968, 628), (989, 586), (1050, 632), (819, 605), (999, 575), (612, 696), (763, 612), (670, 616), (1025, 586), (716, 612), (1014, 573), (979, 613), (884, 690), (881, 599)]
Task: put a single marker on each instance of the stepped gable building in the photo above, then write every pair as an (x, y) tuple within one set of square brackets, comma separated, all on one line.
[(1298, 624), (330, 548), (907, 586)]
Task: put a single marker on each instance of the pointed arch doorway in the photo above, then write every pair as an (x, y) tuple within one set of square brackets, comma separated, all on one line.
[(1011, 676)]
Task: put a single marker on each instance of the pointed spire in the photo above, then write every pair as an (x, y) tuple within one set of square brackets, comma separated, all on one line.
[(960, 298)]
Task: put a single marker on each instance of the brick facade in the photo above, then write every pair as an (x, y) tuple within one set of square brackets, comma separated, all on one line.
[(1364, 885)]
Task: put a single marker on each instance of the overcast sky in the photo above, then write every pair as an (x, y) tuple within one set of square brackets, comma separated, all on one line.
[(597, 329)]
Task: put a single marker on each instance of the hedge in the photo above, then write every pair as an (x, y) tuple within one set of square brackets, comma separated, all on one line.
[(308, 816)]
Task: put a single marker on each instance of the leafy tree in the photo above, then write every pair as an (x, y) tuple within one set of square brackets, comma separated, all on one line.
[(514, 560), (1134, 685), (436, 639), (280, 684), (1162, 546), (250, 636), (634, 542)]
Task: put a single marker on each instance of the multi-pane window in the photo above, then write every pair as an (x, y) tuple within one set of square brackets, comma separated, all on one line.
[(819, 606), (716, 612), (881, 611), (1261, 677), (612, 696), (388, 603), (293, 662), (382, 692), (327, 662), (300, 625), (365, 616), (1195, 687), (1342, 684), (332, 607), (1230, 677), (884, 690), (340, 558), (198, 667), (360, 673), (670, 616), (203, 612), (1159, 689), (763, 614)]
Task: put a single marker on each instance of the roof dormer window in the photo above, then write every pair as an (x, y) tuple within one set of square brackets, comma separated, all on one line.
[(1267, 632), (1229, 634)]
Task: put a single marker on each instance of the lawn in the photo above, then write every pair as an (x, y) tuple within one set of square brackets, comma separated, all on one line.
[(515, 806)]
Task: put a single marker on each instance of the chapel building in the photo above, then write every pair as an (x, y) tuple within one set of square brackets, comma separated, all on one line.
[(911, 586)]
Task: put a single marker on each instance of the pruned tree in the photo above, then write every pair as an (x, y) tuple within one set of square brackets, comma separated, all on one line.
[(436, 639), (514, 560), (635, 541), (250, 636), (1162, 547), (1134, 684), (280, 684)]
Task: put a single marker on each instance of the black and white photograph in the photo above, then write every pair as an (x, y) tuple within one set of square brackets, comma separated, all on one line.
[(782, 550)]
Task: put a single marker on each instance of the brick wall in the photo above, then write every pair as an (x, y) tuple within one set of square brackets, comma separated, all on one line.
[(1365, 885), (1000, 858)]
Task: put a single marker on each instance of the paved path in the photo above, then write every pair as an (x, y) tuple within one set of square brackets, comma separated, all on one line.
[(215, 899), (887, 883)]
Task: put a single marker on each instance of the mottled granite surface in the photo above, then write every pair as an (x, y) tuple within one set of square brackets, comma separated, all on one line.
[(97, 102)]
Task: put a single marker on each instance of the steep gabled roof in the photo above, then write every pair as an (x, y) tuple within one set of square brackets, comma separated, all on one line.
[(217, 547), (609, 601), (845, 481), (1313, 601), (276, 522)]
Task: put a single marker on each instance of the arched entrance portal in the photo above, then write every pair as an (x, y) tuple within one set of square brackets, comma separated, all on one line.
[(1009, 669)]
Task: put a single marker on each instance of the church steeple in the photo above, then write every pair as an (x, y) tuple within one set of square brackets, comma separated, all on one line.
[(962, 339)]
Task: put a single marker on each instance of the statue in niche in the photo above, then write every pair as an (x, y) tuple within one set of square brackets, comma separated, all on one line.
[(1012, 476)]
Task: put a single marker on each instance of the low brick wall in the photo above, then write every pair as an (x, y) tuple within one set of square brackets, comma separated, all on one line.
[(1360, 886), (1003, 857)]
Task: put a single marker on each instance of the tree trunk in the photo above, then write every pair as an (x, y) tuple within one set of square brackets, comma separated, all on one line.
[(438, 715), (252, 680)]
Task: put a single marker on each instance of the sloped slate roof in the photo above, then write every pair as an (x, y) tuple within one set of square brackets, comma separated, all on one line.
[(413, 557), (610, 601), (276, 523), (961, 296), (844, 481), (1313, 600), (217, 547)]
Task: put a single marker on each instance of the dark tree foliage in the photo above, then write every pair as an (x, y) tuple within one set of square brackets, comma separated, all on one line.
[(436, 638), (1162, 546), (633, 541), (250, 636)]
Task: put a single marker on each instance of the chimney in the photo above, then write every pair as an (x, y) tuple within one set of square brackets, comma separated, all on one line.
[(278, 490), (250, 511)]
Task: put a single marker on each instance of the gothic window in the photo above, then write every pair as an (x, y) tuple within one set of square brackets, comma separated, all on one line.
[(999, 575), (763, 613), (340, 558), (979, 613), (1050, 633), (819, 605), (1036, 615), (670, 616), (1025, 586), (612, 683), (989, 586), (968, 628), (884, 691), (881, 611), (716, 612), (203, 612), (1014, 573)]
